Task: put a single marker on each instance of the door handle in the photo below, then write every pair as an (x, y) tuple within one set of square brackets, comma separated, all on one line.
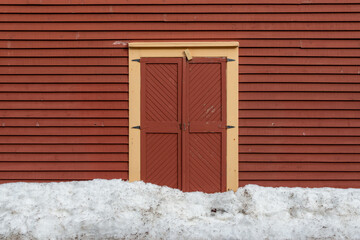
[(182, 126)]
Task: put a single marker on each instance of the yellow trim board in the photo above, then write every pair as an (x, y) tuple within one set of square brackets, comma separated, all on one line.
[(182, 44), (176, 49)]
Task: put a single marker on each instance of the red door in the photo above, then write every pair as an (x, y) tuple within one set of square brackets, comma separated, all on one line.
[(183, 123)]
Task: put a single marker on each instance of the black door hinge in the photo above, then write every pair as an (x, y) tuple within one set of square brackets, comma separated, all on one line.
[(136, 127), (228, 126), (230, 60), (136, 60)]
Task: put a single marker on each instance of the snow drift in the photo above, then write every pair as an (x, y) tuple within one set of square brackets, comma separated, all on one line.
[(116, 209)]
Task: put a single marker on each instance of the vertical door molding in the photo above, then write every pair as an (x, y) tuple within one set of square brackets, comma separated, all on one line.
[(227, 50)]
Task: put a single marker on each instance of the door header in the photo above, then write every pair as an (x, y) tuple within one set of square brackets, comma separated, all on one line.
[(182, 44)]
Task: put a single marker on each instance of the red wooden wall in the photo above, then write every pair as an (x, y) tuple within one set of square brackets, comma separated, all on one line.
[(64, 85)]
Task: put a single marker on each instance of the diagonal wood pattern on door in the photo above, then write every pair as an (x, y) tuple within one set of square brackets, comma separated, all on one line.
[(183, 123), (161, 88), (161, 164), (205, 162), (206, 114), (205, 92), (160, 119)]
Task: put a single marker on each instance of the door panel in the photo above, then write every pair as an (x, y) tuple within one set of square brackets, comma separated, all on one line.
[(161, 94), (205, 91), (205, 162), (205, 113), (160, 119), (162, 159)]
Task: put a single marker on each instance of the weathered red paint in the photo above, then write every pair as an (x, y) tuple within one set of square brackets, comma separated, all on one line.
[(161, 110), (64, 93), (205, 115), (183, 123)]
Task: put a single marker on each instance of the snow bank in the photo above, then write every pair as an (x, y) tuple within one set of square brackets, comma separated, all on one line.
[(116, 209)]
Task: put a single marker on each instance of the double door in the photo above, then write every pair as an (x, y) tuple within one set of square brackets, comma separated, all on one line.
[(183, 123)]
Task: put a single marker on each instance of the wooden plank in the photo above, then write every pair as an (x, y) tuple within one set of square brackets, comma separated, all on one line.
[(296, 52), (268, 69), (265, 183), (89, 61), (64, 79), (41, 148), (120, 122), (302, 183), (63, 70), (177, 26), (310, 78), (299, 104), (93, 44), (64, 105), (299, 148), (38, 181), (104, 44), (63, 157), (269, 50), (300, 176), (278, 122), (10, 44), (299, 87), (64, 113), (177, 35), (301, 114), (63, 140), (278, 131), (244, 43), (63, 52), (299, 167), (63, 131), (331, 96), (65, 87), (183, 8), (338, 140), (59, 175), (70, 96), (63, 166), (330, 44), (170, 2), (302, 61), (299, 157), (181, 17)]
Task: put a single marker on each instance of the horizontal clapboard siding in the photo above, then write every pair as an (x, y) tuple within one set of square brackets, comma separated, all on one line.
[(64, 85)]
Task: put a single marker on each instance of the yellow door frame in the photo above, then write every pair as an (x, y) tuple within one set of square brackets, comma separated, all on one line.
[(229, 50)]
